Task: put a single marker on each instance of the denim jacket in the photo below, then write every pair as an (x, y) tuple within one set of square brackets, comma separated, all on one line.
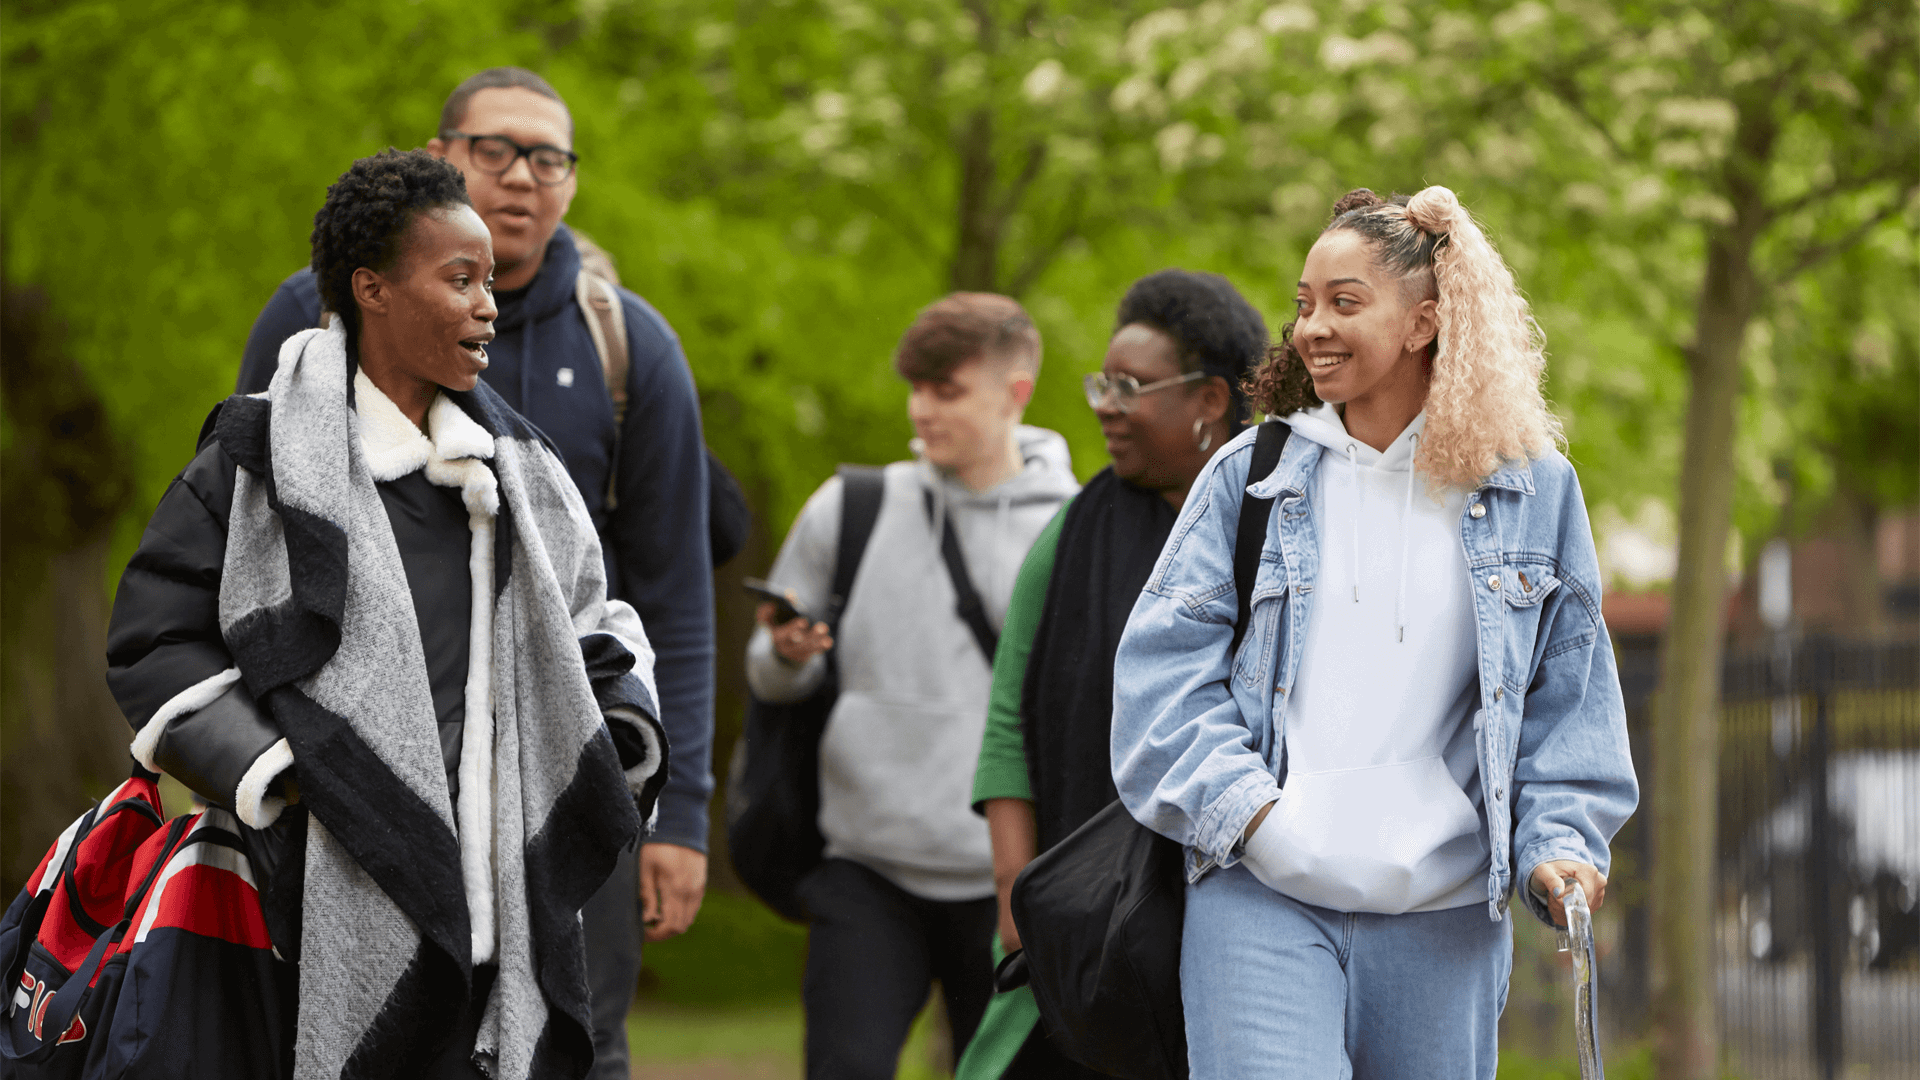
[(1550, 730)]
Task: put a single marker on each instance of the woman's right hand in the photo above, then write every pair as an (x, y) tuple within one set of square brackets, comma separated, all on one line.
[(794, 641)]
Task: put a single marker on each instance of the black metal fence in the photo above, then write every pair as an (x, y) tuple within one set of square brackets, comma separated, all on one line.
[(1818, 930), (1819, 860)]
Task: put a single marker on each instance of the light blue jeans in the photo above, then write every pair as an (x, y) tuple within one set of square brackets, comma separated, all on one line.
[(1276, 988)]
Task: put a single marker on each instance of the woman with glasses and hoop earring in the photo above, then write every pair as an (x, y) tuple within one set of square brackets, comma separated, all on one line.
[(1168, 395)]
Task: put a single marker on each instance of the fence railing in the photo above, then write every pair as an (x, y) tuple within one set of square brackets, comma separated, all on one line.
[(1818, 847), (1819, 859)]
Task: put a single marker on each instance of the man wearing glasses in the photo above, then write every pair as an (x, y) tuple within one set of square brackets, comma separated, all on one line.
[(644, 479)]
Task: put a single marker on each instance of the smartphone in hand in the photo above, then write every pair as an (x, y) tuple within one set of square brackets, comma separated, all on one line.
[(784, 608)]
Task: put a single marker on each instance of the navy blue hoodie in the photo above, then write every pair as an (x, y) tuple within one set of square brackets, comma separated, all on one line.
[(542, 361)]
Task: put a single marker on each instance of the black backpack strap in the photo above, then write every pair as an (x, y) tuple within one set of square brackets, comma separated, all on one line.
[(860, 491), (1252, 533), (967, 602)]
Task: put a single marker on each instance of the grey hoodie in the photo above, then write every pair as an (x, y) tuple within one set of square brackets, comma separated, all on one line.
[(896, 762)]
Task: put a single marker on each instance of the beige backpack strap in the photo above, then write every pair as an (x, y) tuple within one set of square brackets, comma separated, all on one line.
[(599, 301), (607, 322)]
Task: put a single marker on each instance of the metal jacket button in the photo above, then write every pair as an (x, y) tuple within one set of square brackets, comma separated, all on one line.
[(1493, 582), (1499, 692), (1477, 510)]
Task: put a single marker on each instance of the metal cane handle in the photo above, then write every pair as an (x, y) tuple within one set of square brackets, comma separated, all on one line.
[(1577, 939)]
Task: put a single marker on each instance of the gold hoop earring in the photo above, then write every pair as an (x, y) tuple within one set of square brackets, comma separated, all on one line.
[(1203, 441)]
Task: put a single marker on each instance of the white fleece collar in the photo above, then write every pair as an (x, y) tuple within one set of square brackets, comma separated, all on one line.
[(452, 456)]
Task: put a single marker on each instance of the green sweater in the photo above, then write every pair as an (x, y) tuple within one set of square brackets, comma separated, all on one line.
[(1002, 772)]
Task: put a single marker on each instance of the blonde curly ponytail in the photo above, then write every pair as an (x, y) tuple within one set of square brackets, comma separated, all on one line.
[(1484, 407)]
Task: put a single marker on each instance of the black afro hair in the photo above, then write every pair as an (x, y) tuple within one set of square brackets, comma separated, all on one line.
[(1215, 328), (366, 217)]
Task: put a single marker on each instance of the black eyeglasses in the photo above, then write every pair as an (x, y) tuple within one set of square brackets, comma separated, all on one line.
[(497, 153)]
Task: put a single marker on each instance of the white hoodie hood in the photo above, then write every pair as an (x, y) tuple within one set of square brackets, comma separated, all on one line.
[(1381, 808)]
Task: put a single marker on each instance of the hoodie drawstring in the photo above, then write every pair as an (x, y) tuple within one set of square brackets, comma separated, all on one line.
[(1406, 542), (1406, 533), (1353, 472)]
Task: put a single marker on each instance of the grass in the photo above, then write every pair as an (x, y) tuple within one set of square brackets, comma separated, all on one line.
[(725, 996), (738, 953), (1637, 1065)]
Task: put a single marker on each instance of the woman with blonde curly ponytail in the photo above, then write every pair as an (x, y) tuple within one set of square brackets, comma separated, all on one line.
[(1422, 718)]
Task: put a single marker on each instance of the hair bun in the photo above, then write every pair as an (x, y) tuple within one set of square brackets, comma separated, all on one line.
[(1434, 209), (1357, 199)]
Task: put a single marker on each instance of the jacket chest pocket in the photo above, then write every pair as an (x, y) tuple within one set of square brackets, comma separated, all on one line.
[(1523, 588), (1253, 664)]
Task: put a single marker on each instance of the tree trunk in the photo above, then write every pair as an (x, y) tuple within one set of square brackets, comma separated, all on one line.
[(1854, 523), (1686, 737), (64, 481), (976, 249)]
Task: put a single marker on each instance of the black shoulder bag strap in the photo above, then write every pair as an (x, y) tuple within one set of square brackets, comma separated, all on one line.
[(967, 602), (860, 491), (1252, 534)]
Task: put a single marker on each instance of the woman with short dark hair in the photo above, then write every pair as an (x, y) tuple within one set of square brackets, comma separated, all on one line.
[(370, 621), (1168, 394)]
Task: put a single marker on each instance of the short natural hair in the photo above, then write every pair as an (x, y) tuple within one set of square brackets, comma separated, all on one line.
[(1211, 325), (365, 219), (454, 112), (965, 326)]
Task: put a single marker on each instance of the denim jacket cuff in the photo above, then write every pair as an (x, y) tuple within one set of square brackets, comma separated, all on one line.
[(1219, 834), (1545, 851)]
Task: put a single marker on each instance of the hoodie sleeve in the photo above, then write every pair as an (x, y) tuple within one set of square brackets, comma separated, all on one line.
[(805, 565), (662, 550), (295, 306)]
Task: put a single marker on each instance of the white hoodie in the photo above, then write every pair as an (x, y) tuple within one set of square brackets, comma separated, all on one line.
[(1381, 806)]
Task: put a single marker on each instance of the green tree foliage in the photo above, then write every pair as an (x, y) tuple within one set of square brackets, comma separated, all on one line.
[(788, 181)]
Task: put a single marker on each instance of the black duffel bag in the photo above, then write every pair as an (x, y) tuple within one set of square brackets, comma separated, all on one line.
[(773, 781), (1100, 915)]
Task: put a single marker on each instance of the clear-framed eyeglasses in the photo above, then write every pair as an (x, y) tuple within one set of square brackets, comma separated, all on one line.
[(496, 154), (1126, 390)]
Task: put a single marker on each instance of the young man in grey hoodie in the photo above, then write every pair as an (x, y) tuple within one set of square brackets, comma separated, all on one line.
[(906, 893)]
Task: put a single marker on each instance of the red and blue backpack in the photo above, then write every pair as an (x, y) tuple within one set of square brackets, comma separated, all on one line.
[(57, 934), (138, 948)]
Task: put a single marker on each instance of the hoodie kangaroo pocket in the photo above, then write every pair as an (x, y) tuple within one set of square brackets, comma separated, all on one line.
[(1385, 839)]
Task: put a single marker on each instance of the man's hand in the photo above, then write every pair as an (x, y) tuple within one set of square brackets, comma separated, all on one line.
[(794, 641), (673, 880), (1548, 878)]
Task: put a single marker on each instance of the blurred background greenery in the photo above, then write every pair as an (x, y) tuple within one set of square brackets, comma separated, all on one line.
[(1715, 200)]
